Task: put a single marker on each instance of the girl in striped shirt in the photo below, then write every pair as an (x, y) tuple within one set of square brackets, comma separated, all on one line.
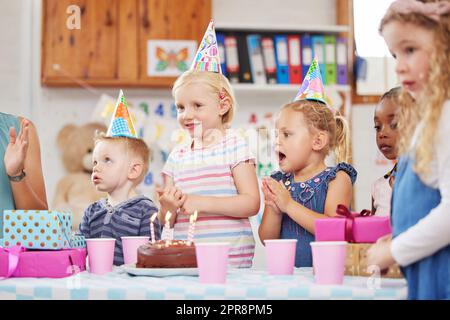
[(215, 172)]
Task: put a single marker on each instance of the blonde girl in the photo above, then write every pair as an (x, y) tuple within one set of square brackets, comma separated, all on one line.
[(214, 174), (417, 34), (306, 189)]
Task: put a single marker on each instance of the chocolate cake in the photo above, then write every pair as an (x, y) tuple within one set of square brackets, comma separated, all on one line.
[(177, 255)]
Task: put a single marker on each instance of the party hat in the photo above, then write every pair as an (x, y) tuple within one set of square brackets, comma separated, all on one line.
[(121, 123), (207, 57), (312, 86)]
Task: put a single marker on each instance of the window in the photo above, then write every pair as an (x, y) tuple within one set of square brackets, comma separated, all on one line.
[(375, 65)]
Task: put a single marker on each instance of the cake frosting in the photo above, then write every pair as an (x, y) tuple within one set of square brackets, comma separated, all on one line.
[(178, 254)]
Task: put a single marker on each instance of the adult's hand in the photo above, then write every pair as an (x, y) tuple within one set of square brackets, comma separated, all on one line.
[(16, 151)]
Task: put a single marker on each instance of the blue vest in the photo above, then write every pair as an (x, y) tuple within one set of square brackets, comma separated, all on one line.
[(412, 200), (6, 197)]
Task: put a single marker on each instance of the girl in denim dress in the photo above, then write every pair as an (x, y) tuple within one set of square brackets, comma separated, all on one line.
[(306, 189)]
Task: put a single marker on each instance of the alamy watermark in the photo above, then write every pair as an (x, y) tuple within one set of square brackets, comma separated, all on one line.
[(73, 21), (259, 142), (73, 281), (374, 281)]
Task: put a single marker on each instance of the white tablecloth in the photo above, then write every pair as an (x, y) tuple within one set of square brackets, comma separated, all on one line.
[(241, 284)]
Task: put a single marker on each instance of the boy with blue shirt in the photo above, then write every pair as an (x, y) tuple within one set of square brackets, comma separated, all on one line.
[(120, 162)]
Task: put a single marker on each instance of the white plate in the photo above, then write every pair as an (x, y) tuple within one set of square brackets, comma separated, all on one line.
[(159, 272)]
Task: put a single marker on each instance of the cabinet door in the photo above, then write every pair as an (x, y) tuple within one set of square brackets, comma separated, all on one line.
[(89, 54), (169, 20)]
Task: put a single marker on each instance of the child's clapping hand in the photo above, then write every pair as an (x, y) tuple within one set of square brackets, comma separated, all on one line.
[(171, 199), (276, 195), (269, 197)]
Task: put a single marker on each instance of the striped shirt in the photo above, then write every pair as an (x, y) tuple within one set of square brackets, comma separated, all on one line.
[(128, 218), (208, 172)]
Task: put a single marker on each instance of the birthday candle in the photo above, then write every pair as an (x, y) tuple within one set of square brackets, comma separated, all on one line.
[(192, 220), (167, 227), (152, 228)]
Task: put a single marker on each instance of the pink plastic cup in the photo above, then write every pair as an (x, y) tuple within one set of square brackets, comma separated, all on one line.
[(100, 254), (130, 246), (329, 261), (280, 256), (212, 261)]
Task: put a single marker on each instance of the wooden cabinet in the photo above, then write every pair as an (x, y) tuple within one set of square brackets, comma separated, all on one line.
[(110, 48), (173, 19)]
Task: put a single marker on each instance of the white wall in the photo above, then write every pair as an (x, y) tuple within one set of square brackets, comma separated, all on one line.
[(15, 56), (51, 108), (264, 13)]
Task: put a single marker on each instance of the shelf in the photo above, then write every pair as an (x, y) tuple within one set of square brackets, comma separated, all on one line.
[(250, 87), (283, 28)]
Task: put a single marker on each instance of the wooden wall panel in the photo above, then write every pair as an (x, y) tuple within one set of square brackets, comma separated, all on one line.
[(111, 47), (128, 68), (101, 54), (172, 20), (90, 52)]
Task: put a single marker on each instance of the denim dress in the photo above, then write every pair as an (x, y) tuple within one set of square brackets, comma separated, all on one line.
[(413, 200), (312, 195)]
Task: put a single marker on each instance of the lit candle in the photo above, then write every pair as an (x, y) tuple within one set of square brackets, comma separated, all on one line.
[(192, 220), (167, 228), (152, 227)]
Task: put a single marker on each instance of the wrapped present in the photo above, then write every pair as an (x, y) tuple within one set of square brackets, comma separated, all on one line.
[(356, 263), (77, 241), (20, 262), (37, 229), (330, 229), (352, 227)]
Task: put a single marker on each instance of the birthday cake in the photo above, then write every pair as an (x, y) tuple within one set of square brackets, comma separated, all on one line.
[(177, 254)]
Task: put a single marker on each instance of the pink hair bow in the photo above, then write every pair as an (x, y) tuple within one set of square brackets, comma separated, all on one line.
[(432, 10)]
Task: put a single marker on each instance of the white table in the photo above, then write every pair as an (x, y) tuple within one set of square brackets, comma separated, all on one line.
[(241, 284)]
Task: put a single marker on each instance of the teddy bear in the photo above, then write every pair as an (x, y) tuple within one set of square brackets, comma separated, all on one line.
[(75, 191)]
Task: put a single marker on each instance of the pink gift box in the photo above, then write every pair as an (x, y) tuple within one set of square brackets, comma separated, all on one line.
[(352, 227), (45, 264), (330, 229), (370, 229)]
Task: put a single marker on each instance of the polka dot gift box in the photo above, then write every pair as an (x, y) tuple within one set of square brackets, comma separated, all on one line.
[(38, 229)]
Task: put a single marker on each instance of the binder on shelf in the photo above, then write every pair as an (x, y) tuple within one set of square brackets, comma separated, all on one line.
[(245, 74), (281, 50), (223, 57), (231, 52), (330, 59), (307, 53), (270, 64), (341, 60), (256, 59), (295, 65), (318, 45)]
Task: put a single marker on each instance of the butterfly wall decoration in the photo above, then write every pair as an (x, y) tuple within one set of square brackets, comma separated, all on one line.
[(172, 59)]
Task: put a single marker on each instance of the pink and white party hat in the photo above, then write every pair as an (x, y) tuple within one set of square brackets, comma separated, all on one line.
[(207, 57)]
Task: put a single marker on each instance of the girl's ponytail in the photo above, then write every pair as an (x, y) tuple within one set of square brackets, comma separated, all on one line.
[(342, 146)]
